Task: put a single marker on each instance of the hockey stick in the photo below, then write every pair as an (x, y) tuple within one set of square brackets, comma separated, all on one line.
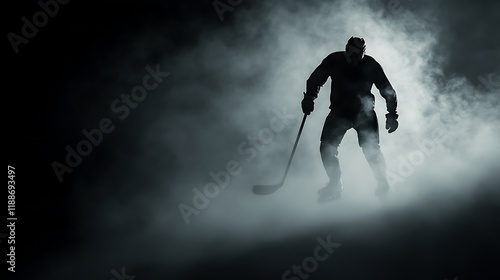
[(269, 189)]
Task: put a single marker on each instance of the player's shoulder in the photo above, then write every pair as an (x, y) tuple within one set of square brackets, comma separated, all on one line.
[(334, 57), (372, 62), (369, 59)]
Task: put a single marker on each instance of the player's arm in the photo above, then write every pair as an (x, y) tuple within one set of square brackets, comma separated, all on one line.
[(386, 90), (389, 94), (314, 83), (318, 77)]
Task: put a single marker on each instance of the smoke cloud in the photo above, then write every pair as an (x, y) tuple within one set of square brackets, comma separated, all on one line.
[(228, 115)]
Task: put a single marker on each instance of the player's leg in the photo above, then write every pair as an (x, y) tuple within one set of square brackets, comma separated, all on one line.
[(368, 137), (334, 130)]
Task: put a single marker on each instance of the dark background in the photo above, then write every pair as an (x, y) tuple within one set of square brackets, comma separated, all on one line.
[(85, 35)]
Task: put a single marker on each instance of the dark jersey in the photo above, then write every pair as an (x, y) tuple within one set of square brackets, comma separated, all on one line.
[(351, 86)]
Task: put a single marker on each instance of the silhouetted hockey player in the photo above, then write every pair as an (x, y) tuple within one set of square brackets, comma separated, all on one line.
[(352, 106)]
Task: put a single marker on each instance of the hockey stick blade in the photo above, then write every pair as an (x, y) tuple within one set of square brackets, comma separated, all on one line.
[(266, 189), (269, 189)]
